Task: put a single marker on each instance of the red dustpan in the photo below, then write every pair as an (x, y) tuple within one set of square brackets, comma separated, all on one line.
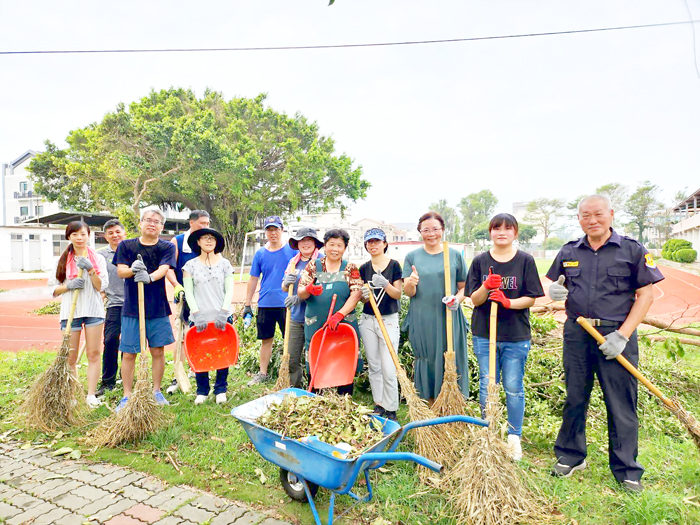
[(333, 356), (211, 349)]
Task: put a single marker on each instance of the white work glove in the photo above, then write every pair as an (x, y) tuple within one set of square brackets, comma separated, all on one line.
[(614, 344), (557, 291), (221, 319), (379, 281), (291, 301), (365, 293), (138, 265), (76, 284), (84, 263), (142, 276), (451, 302), (289, 279), (200, 323)]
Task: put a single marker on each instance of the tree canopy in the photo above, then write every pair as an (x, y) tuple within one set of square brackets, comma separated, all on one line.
[(641, 205), (476, 208), (237, 159), (543, 214)]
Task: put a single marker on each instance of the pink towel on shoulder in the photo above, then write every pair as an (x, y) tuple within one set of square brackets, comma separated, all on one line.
[(72, 267)]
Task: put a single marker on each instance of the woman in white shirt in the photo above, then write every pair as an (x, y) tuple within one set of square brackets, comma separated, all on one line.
[(89, 310)]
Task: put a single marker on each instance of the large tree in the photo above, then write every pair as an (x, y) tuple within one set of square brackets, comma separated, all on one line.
[(475, 209), (237, 159), (543, 214), (641, 205)]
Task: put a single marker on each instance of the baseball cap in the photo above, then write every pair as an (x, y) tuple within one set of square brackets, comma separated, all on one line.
[(273, 220)]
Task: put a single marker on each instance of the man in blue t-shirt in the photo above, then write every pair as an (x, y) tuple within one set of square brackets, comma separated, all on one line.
[(270, 262), (157, 257)]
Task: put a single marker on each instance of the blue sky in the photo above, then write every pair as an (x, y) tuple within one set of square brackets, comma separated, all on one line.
[(531, 117)]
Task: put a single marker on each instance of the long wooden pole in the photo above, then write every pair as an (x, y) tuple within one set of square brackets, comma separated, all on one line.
[(448, 292)]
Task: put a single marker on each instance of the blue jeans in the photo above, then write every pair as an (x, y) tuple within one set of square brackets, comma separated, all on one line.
[(510, 363), (220, 385)]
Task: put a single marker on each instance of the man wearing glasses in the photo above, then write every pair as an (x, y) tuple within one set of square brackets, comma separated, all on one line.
[(158, 256)]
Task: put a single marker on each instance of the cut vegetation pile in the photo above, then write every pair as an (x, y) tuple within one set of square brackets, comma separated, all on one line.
[(332, 418)]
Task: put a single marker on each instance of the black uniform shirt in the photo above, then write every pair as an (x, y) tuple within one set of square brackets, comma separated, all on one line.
[(602, 283)]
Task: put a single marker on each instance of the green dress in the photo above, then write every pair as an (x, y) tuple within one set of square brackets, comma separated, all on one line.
[(426, 321)]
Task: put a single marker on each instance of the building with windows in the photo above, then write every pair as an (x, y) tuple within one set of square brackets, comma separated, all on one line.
[(19, 201), (688, 227)]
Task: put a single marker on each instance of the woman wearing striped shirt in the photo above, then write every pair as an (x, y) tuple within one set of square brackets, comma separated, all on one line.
[(89, 310)]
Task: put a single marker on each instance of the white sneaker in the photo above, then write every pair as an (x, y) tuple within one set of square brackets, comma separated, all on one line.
[(92, 401), (172, 387), (200, 400), (221, 398), (516, 451)]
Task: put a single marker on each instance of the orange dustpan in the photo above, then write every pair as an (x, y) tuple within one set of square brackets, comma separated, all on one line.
[(211, 349), (333, 356)]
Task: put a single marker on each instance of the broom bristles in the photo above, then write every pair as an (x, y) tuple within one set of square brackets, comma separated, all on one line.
[(688, 420), (450, 401), (139, 418), (283, 379), (55, 399)]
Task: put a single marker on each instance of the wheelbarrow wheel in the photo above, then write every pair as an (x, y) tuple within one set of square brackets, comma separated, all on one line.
[(294, 487)]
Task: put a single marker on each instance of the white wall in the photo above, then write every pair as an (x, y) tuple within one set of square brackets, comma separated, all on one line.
[(689, 229), (37, 248), (14, 177)]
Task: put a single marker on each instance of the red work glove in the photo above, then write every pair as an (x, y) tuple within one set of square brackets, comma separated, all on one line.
[(493, 281), (499, 297), (315, 289), (334, 320)]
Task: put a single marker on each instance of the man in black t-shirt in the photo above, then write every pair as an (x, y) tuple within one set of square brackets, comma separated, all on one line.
[(157, 257)]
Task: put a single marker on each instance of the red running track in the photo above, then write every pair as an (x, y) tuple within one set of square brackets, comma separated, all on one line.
[(677, 298)]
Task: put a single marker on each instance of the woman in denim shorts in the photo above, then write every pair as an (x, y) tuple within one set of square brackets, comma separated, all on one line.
[(89, 310)]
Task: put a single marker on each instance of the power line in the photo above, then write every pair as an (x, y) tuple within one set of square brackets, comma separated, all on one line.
[(340, 46)]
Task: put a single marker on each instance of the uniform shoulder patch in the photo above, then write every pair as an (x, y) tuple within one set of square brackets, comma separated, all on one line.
[(570, 264), (649, 261)]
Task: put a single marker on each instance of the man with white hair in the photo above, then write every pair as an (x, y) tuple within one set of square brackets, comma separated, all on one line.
[(156, 258), (606, 278)]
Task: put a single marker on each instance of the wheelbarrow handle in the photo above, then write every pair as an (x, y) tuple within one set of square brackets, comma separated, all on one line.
[(372, 457), (436, 421)]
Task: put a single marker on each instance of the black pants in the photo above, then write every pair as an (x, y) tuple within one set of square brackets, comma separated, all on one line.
[(112, 331), (583, 359)]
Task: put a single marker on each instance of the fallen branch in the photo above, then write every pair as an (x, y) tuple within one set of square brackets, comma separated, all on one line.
[(548, 308), (172, 461), (684, 340), (658, 323)]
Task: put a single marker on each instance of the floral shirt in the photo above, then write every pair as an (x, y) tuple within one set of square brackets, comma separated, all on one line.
[(351, 274)]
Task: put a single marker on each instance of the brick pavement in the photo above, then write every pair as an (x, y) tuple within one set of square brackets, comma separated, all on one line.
[(39, 489)]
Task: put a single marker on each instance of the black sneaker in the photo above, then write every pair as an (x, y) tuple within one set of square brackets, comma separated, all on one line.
[(379, 411), (390, 415), (103, 390), (632, 486), (564, 471)]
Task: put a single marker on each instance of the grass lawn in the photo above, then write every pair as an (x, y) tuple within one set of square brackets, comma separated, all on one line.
[(543, 266), (228, 468)]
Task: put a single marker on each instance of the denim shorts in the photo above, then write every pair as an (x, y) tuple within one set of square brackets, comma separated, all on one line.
[(78, 323), (159, 333)]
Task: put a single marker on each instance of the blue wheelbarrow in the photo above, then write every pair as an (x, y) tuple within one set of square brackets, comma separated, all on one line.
[(309, 464)]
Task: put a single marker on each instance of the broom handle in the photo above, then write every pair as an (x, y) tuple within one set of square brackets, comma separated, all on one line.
[(287, 322), (493, 327), (323, 340), (73, 305), (624, 362), (380, 321), (142, 318), (448, 292)]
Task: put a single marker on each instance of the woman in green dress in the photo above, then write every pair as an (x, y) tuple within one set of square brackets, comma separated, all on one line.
[(323, 278), (424, 283)]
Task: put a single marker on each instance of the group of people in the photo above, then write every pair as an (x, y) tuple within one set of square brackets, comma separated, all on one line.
[(603, 276)]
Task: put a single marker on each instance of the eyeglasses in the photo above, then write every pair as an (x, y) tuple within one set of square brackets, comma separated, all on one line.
[(151, 221), (434, 230)]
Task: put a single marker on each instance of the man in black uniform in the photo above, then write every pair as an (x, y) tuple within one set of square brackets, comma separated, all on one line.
[(607, 278)]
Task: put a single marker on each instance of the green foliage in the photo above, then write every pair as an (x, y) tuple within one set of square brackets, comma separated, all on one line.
[(543, 214), (641, 205), (673, 245), (525, 233), (685, 255), (616, 192), (553, 243), (237, 159), (249, 349), (476, 208), (450, 217), (52, 308)]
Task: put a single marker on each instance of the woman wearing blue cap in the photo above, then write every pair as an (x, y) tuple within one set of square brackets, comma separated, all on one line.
[(383, 274)]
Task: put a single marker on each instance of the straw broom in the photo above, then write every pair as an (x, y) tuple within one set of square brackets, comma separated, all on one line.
[(141, 416), (433, 442), (485, 486), (55, 399), (283, 379), (688, 420), (450, 401)]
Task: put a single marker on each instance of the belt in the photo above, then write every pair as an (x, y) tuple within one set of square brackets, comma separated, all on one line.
[(602, 322)]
